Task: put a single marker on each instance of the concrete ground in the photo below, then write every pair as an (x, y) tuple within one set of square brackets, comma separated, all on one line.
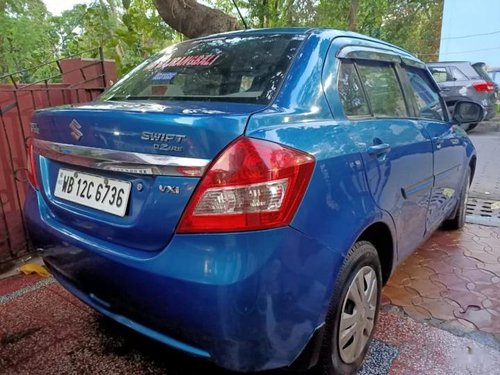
[(440, 310), (486, 138)]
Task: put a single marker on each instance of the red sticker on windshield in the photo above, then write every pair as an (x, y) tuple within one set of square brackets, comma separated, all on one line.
[(194, 60)]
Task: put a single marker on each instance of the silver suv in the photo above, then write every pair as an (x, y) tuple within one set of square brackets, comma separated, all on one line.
[(463, 79)]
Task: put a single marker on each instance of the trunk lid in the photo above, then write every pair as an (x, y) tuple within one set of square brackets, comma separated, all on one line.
[(157, 150)]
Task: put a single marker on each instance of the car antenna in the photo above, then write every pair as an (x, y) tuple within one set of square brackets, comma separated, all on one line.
[(241, 16)]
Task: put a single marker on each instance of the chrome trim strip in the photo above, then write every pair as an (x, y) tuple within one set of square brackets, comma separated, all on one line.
[(121, 161)]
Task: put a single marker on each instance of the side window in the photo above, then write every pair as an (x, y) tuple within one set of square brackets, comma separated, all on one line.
[(439, 74), (350, 91), (426, 97), (457, 74), (382, 88)]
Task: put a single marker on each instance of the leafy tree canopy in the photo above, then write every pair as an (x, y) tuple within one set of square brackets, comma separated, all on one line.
[(130, 30), (24, 35)]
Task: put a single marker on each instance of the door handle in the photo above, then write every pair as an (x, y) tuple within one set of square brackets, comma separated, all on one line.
[(379, 149)]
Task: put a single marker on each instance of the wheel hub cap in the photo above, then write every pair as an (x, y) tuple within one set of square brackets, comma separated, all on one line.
[(358, 315)]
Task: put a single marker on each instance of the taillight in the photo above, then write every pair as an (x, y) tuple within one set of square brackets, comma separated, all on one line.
[(483, 86), (253, 184), (30, 161)]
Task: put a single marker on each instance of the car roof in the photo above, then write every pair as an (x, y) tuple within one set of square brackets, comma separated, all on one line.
[(309, 31)]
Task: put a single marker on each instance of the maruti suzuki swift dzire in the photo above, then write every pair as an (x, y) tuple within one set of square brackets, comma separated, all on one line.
[(243, 197)]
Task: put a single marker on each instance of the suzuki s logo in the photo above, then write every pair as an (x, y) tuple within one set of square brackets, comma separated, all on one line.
[(75, 130)]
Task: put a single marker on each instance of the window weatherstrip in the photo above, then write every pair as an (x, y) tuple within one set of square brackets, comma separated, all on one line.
[(413, 63)]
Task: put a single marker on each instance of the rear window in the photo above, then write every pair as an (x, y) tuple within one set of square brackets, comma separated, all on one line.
[(382, 88), (351, 92), (479, 68), (457, 74), (232, 68)]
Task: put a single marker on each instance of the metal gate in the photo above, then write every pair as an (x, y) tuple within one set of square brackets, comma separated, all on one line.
[(69, 81)]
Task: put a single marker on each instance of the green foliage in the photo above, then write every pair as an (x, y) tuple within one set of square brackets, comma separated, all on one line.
[(416, 26), (411, 24), (25, 39), (131, 30), (128, 31)]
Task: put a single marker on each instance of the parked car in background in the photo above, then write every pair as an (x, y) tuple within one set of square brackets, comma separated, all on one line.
[(461, 80), (243, 197)]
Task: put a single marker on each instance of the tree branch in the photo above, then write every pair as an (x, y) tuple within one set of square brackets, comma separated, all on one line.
[(193, 19)]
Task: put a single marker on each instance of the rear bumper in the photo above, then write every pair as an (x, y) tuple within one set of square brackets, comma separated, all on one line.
[(248, 301), (490, 112)]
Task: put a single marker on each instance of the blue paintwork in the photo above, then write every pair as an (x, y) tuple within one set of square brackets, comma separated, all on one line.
[(250, 300), (233, 302), (118, 125), (104, 308)]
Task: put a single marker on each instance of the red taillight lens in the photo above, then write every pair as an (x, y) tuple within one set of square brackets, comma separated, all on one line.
[(483, 86), (253, 184), (30, 161)]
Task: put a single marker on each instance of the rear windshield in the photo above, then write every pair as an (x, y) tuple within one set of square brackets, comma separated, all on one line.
[(479, 68), (232, 68)]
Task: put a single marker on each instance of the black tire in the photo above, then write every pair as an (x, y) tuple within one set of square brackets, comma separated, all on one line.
[(458, 220), (360, 258), (470, 127), (465, 127)]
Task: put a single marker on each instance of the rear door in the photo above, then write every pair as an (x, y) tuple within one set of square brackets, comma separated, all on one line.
[(460, 82), (396, 155)]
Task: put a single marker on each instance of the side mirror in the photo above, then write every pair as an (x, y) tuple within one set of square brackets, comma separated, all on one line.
[(467, 112)]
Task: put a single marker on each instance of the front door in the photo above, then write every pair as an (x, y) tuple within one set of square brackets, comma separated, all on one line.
[(447, 145)]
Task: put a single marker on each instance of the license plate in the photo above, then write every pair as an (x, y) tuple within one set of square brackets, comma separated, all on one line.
[(104, 194)]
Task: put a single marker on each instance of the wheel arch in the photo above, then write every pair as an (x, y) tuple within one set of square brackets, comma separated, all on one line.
[(380, 236)]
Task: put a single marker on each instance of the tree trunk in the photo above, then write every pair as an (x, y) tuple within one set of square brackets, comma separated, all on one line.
[(193, 19), (353, 14)]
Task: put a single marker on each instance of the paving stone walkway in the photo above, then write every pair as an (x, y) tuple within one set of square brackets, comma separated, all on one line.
[(454, 278)]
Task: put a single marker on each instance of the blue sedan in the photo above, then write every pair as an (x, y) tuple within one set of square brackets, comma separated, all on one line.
[(243, 197)]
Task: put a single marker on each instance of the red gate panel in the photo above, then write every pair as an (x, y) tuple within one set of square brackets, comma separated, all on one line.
[(82, 81)]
